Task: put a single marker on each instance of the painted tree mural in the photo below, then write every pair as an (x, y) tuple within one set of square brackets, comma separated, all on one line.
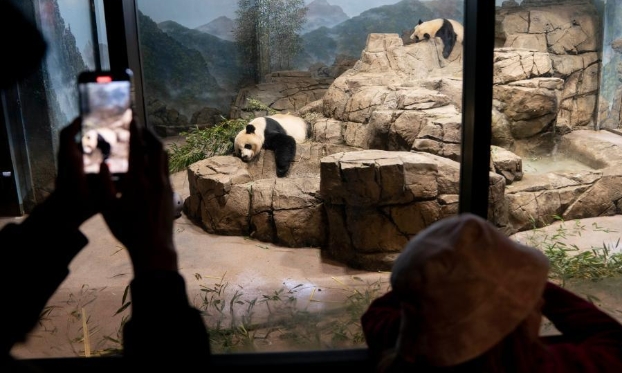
[(267, 34)]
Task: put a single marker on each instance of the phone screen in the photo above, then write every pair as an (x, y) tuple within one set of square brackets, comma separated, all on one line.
[(106, 109)]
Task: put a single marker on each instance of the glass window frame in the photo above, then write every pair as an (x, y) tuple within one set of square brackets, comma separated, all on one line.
[(479, 27)]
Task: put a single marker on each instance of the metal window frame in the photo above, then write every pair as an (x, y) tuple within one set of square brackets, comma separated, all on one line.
[(124, 46), (479, 42)]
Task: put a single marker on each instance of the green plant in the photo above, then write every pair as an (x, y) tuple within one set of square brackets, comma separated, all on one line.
[(568, 261), (349, 328), (238, 324), (71, 319), (204, 143), (252, 104), (115, 345), (274, 320)]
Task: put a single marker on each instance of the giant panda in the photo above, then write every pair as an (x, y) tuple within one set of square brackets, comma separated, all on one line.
[(279, 133), (450, 31), (102, 138)]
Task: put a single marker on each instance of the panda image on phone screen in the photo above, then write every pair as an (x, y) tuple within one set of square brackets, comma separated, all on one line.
[(106, 115)]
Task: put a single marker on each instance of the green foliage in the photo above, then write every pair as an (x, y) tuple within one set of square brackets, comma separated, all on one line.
[(204, 143), (82, 331), (256, 105), (348, 327), (568, 261), (237, 324), (286, 18)]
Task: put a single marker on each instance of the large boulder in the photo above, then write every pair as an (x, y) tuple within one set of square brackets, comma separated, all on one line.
[(569, 33), (285, 91), (230, 197), (376, 200)]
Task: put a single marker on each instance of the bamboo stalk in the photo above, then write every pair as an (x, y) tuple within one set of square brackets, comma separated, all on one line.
[(85, 331)]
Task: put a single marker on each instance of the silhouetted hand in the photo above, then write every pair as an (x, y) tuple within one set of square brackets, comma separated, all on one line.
[(139, 210), (77, 196)]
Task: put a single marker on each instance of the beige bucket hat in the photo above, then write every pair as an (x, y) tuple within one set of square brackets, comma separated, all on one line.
[(470, 286)]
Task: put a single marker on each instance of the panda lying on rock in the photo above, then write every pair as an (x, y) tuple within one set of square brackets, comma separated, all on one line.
[(450, 31), (102, 139), (279, 133)]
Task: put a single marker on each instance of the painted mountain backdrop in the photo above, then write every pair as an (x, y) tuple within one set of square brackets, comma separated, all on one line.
[(321, 14), (222, 27), (199, 67)]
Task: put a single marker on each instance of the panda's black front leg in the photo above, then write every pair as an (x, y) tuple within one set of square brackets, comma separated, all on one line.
[(448, 36), (284, 147), (104, 146)]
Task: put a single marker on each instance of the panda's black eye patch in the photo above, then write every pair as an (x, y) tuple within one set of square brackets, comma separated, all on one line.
[(248, 146), (427, 36)]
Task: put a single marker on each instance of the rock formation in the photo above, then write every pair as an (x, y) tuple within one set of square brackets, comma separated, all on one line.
[(382, 161)]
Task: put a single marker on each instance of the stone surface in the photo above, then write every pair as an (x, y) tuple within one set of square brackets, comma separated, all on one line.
[(381, 163), (565, 33), (506, 164), (230, 197), (377, 200)]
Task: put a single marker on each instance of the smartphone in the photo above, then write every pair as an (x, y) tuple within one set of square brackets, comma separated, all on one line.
[(106, 108)]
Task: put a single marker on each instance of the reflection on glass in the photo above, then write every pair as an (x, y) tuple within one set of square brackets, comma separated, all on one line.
[(380, 162)]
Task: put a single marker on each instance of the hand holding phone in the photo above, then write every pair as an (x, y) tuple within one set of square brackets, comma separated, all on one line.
[(106, 110)]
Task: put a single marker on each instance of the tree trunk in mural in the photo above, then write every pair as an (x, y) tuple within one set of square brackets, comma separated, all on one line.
[(267, 34)]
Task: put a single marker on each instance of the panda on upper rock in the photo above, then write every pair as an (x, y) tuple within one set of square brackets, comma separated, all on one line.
[(279, 133), (450, 31)]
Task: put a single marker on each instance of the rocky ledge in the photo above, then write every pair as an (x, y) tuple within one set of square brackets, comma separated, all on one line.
[(362, 206), (382, 161)]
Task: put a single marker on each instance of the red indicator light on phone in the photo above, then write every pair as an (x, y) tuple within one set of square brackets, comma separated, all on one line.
[(103, 79)]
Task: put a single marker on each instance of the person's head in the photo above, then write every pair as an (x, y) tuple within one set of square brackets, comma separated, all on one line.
[(22, 45), (467, 290)]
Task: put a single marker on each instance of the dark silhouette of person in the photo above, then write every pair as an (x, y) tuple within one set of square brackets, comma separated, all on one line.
[(164, 329), (466, 298)]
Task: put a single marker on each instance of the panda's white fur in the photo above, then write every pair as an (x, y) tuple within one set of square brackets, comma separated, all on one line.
[(278, 132), (94, 138), (450, 31)]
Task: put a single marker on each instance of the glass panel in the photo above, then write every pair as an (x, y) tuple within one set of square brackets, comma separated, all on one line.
[(66, 25), (556, 111), (43, 104), (283, 263), (291, 263)]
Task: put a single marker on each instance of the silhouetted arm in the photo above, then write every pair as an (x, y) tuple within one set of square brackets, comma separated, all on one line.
[(35, 256), (592, 340), (381, 323), (36, 253), (163, 327)]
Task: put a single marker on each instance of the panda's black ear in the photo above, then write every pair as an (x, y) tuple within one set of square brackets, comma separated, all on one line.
[(250, 129), (420, 22)]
